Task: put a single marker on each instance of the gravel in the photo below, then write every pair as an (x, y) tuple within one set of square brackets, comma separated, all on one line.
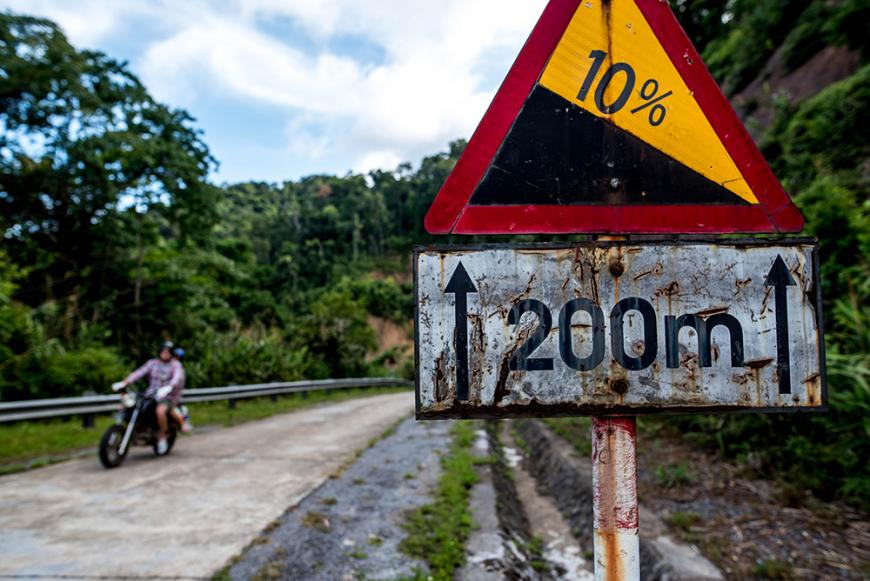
[(350, 527)]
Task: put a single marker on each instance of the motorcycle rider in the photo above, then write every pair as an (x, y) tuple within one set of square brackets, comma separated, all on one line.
[(165, 384)]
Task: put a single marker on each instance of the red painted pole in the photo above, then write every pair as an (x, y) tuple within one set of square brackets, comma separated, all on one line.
[(614, 486)]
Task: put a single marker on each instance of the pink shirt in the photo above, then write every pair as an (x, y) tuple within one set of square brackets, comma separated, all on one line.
[(159, 374)]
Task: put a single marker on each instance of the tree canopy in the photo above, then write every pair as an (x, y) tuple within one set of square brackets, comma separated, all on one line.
[(84, 153)]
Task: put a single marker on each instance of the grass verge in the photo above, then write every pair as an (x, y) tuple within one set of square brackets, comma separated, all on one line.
[(25, 445), (576, 431), (437, 532)]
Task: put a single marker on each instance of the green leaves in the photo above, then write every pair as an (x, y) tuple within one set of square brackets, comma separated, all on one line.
[(437, 531), (242, 356), (824, 135), (334, 330), (82, 141)]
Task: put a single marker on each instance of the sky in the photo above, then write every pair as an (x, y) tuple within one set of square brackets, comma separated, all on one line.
[(288, 88)]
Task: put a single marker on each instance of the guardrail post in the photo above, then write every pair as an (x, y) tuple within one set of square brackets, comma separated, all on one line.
[(231, 404), (88, 419), (274, 397), (305, 395)]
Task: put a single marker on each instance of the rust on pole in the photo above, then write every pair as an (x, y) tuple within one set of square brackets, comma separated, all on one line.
[(614, 482)]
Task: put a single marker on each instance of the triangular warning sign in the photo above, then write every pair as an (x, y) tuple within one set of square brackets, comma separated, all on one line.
[(608, 121)]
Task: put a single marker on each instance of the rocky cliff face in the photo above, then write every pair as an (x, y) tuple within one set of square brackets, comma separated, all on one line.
[(757, 103)]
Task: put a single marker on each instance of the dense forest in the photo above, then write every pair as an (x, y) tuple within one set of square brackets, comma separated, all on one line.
[(114, 238)]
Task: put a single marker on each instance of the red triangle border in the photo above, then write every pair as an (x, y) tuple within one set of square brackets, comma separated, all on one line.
[(450, 213)]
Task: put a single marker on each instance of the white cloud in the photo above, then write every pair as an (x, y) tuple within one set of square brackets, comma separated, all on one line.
[(217, 53), (430, 88), (307, 137), (85, 23), (380, 159)]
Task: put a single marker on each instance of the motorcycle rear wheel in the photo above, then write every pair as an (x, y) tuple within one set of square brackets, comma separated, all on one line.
[(110, 443)]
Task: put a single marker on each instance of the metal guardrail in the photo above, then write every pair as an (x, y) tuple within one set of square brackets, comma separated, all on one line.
[(89, 405)]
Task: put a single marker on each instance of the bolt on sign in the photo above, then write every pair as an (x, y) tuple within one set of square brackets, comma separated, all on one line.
[(618, 327), (609, 122)]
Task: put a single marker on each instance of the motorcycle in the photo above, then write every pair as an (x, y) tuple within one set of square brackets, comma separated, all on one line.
[(136, 425)]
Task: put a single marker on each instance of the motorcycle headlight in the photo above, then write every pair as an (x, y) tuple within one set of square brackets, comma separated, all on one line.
[(128, 400)]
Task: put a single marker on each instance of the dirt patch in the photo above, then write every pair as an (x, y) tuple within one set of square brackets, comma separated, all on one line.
[(742, 523), (390, 334), (826, 67), (403, 276)]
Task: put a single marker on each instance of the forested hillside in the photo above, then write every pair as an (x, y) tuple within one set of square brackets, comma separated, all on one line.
[(114, 238)]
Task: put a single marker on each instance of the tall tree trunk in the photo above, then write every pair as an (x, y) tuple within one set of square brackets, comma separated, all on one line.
[(140, 257), (71, 313), (137, 288)]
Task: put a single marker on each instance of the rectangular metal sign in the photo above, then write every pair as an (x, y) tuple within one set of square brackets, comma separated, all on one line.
[(618, 327)]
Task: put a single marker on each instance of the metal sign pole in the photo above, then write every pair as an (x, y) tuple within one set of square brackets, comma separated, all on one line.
[(614, 488)]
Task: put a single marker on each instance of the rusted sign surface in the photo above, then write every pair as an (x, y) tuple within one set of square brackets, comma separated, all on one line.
[(618, 327)]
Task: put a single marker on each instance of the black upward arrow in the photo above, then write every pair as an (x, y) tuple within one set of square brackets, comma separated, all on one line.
[(779, 278), (460, 285)]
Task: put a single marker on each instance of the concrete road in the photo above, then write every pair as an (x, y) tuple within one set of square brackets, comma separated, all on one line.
[(186, 515)]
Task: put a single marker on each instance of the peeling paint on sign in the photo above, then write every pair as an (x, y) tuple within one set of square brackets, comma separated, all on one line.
[(618, 327)]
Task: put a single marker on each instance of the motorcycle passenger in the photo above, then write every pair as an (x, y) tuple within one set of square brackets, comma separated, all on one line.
[(178, 355), (165, 383)]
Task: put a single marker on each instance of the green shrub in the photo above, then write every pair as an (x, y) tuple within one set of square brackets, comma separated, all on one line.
[(89, 369), (805, 39), (437, 531), (252, 356), (383, 298), (754, 32), (675, 475), (840, 218), (33, 365), (847, 25), (826, 133), (50, 370), (334, 333)]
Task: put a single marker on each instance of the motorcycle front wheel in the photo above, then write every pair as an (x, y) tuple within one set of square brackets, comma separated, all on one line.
[(110, 444)]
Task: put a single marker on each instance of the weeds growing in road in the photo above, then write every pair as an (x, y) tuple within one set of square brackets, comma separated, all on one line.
[(317, 521), (375, 540), (437, 532), (577, 431), (273, 569), (682, 522), (535, 548), (359, 451), (675, 475), (773, 569)]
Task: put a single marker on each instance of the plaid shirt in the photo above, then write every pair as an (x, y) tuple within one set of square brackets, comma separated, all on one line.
[(159, 374)]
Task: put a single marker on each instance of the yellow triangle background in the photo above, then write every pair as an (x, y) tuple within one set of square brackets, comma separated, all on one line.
[(621, 31)]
